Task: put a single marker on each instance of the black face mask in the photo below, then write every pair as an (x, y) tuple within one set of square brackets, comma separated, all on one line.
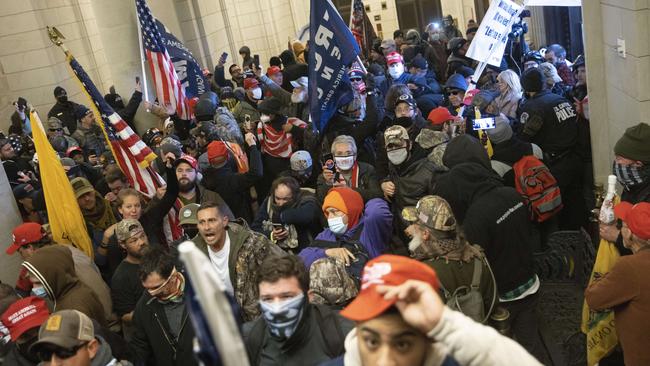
[(190, 231), (405, 122), (62, 98)]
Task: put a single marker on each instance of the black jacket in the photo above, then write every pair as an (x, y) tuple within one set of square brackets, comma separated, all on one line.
[(367, 184), (153, 343), (128, 112), (65, 113), (318, 338), (305, 215), (549, 121), (235, 187), (494, 217)]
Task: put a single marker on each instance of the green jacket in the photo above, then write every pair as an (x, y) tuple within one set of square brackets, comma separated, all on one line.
[(247, 251), (243, 109)]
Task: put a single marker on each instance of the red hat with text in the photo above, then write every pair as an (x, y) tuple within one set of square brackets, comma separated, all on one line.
[(393, 58), (24, 315), (439, 116), (187, 159), (389, 270), (24, 234), (637, 217)]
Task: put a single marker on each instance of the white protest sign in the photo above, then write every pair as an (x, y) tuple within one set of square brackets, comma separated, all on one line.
[(555, 3), (490, 41)]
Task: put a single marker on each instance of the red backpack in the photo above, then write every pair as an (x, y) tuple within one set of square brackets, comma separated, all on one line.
[(538, 187)]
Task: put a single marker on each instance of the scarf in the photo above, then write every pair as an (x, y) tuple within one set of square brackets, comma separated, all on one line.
[(101, 216)]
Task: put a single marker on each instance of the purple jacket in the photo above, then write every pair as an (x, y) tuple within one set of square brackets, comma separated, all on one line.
[(377, 228)]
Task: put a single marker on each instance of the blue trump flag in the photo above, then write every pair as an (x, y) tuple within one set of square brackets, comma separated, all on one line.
[(187, 68), (332, 48)]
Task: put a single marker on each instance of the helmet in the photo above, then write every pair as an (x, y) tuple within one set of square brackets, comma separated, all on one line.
[(580, 61), (150, 135), (534, 56)]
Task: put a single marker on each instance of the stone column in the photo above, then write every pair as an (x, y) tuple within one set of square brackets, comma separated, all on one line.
[(9, 264)]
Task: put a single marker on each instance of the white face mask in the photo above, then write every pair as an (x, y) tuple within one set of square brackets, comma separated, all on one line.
[(257, 93), (265, 118), (415, 242), (336, 225), (396, 70), (398, 156), (344, 162)]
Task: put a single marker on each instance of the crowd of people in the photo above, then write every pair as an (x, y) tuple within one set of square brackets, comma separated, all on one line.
[(337, 247)]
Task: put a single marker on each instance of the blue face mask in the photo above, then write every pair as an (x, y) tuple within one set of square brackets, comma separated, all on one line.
[(337, 226), (283, 317), (39, 292)]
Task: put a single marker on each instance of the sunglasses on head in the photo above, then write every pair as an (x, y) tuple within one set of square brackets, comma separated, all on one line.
[(45, 353)]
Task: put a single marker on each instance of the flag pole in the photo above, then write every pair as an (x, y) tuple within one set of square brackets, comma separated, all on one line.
[(143, 59)]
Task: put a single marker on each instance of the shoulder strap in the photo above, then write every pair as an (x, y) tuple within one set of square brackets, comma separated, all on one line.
[(478, 271), (255, 340), (357, 234), (330, 330)]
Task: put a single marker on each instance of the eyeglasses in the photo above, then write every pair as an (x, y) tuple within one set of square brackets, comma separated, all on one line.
[(355, 79), (45, 353), (455, 92)]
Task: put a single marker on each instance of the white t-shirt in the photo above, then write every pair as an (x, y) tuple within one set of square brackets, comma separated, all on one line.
[(220, 263)]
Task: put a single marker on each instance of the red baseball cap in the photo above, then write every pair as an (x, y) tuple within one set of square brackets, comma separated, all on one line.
[(439, 116), (189, 159), (250, 83), (272, 70), (390, 270), (26, 233), (217, 152), (637, 217), (24, 315), (393, 58)]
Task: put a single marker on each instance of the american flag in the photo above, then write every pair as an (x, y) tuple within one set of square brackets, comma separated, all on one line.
[(131, 154), (362, 28), (168, 86)]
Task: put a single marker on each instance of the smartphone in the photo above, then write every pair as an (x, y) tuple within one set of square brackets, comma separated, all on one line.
[(256, 60), (484, 124), (223, 58)]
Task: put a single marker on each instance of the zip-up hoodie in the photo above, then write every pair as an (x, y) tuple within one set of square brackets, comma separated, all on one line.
[(54, 268)]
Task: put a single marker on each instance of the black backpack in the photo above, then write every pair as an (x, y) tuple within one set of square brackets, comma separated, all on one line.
[(330, 329)]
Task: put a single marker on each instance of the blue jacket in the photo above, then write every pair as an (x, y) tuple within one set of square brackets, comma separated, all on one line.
[(377, 221)]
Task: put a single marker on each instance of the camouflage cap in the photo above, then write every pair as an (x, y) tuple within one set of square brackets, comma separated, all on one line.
[(127, 228), (436, 155), (433, 212), (395, 135)]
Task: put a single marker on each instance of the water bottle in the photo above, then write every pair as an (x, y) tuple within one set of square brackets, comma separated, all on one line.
[(606, 215)]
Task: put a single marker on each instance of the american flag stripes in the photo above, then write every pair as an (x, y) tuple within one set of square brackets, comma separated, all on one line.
[(131, 153), (169, 89)]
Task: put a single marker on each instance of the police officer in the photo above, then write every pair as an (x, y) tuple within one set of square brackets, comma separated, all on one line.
[(549, 121)]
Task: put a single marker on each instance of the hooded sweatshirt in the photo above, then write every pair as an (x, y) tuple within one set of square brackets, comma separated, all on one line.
[(54, 268)]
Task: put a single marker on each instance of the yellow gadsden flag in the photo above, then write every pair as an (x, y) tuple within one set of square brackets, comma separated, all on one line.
[(66, 221), (599, 325)]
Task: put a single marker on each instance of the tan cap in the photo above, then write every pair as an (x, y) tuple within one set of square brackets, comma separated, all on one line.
[(81, 186), (395, 135), (187, 214), (66, 329), (433, 212), (127, 228)]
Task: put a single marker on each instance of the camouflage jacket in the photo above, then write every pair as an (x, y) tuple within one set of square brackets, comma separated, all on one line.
[(247, 251)]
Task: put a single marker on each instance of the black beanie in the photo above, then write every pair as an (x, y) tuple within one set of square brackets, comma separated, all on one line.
[(58, 91), (532, 80), (635, 143)]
